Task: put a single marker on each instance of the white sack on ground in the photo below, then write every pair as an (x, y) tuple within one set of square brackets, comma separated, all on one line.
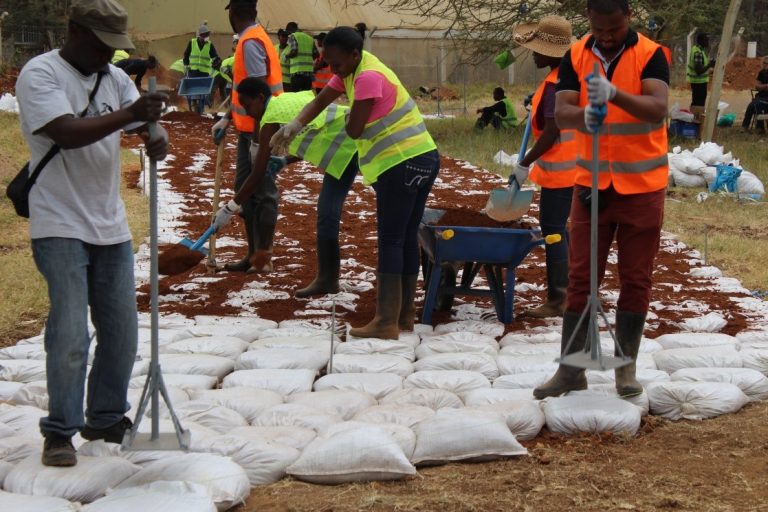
[(461, 434), (31, 351), (176, 395), (644, 376), (283, 382), (710, 153), (756, 360), (524, 417), (296, 332), (288, 343), (513, 338), (510, 365), (711, 322), (249, 402), (403, 436), (34, 394), (571, 415), (376, 346), (224, 480), (17, 448), (713, 357), (5, 468), (455, 381), (295, 437), (221, 346), (24, 419), (156, 497), (8, 389), (487, 396), (521, 380), (753, 383), (207, 414), (375, 363), (22, 370), (355, 455), (695, 400), (6, 431), (695, 340), (531, 349), (494, 329), (296, 415), (197, 364), (409, 338), (22, 502), (283, 359), (748, 183), (468, 337), (181, 381), (94, 475), (164, 336), (376, 384), (433, 398), (344, 403), (251, 322), (609, 390), (431, 347), (406, 415), (481, 363)]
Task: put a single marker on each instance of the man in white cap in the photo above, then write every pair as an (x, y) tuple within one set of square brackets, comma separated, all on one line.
[(200, 56), (73, 105)]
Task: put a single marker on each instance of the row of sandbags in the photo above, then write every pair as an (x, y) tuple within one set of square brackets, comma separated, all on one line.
[(698, 169)]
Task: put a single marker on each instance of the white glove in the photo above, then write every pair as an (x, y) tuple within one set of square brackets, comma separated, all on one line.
[(521, 173), (600, 90), (254, 150), (283, 137), (219, 130), (157, 146), (593, 117), (224, 214)]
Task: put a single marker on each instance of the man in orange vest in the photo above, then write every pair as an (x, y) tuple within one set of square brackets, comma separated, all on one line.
[(255, 56), (323, 71), (633, 84)]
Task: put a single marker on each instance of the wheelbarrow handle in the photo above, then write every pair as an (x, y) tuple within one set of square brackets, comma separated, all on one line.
[(523, 147)]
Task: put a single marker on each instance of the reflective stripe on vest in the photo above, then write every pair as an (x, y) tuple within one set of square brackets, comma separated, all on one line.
[(322, 75), (303, 62), (120, 55), (285, 64), (632, 153), (691, 75), (243, 122), (557, 167), (200, 58), (396, 137)]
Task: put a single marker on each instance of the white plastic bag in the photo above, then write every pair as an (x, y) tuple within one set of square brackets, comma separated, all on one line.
[(283, 358), (524, 417), (685, 180), (591, 414), (455, 381), (249, 402), (481, 363), (711, 322), (221, 346), (376, 384), (433, 398), (156, 497), (713, 357), (753, 383), (406, 415), (296, 415), (283, 382), (374, 363), (709, 153), (748, 183), (695, 400), (403, 436), (295, 437), (22, 502), (376, 346), (344, 403), (695, 340)]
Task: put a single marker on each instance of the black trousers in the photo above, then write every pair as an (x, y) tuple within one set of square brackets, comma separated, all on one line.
[(699, 95)]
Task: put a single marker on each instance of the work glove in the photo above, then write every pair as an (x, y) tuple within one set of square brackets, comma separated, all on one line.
[(521, 173), (224, 215), (283, 137), (157, 146), (600, 90), (594, 115), (219, 130)]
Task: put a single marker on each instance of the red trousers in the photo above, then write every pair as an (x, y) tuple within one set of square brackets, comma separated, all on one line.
[(635, 222)]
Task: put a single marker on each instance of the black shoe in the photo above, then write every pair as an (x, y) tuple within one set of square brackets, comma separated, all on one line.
[(58, 451), (113, 434)]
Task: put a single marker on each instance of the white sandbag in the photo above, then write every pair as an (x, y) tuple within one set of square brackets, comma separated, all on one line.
[(406, 415), (531, 349), (94, 475), (181, 381), (290, 343), (513, 338), (248, 402), (521, 380), (748, 337), (571, 415), (221, 346), (164, 336), (17, 448), (644, 376), (433, 398), (709, 152), (22, 370), (197, 364), (461, 434), (296, 415), (609, 390), (344, 403), (748, 183), (455, 381), (352, 455), (369, 346), (408, 338), (5, 468), (375, 363), (486, 396), (22, 502), (711, 322), (712, 357), (756, 360), (6, 431), (524, 417), (263, 462), (695, 340), (431, 348), (295, 332), (283, 382), (34, 394), (31, 351), (685, 180), (8, 389), (24, 419), (295, 437), (252, 322), (402, 435), (510, 365), (34, 340), (176, 395), (493, 329), (376, 384), (156, 497), (283, 359), (216, 417), (709, 173), (468, 337), (481, 363), (695, 400), (225, 481), (753, 383)]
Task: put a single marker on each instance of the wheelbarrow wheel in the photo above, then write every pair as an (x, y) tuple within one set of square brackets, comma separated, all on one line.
[(448, 280)]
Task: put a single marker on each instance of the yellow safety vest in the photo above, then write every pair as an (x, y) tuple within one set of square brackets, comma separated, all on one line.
[(200, 58), (120, 55)]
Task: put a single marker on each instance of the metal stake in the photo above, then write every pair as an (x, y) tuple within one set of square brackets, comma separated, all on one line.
[(706, 244), (154, 385), (333, 335)]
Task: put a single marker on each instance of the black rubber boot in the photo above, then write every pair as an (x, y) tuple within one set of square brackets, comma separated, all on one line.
[(567, 378), (408, 307), (58, 451), (629, 334), (557, 284), (385, 324), (328, 267)]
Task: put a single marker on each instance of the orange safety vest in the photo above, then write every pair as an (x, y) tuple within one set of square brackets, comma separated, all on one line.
[(322, 75), (633, 153), (244, 122), (557, 167)]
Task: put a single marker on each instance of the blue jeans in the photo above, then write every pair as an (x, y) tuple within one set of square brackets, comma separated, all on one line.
[(81, 275), (554, 209), (259, 210), (401, 194), (331, 201)]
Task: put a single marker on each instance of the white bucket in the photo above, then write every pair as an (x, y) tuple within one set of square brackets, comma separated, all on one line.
[(752, 49)]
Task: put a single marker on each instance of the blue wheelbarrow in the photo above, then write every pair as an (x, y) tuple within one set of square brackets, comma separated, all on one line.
[(445, 249), (197, 90)]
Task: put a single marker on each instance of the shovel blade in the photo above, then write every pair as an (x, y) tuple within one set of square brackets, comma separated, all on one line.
[(508, 204), (186, 242)]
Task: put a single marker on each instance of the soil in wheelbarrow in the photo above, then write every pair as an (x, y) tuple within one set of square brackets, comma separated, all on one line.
[(469, 218)]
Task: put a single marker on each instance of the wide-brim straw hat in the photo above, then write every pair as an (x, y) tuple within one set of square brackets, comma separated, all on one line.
[(551, 36)]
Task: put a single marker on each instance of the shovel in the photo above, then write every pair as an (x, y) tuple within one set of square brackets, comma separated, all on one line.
[(511, 203), (184, 255)]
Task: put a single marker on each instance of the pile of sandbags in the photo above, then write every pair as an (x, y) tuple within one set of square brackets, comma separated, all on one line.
[(698, 169)]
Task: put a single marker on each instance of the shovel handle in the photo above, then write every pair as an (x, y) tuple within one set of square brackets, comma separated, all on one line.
[(523, 147), (201, 241)]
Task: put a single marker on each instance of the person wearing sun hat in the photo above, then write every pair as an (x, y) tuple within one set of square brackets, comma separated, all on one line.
[(553, 156), (73, 106)]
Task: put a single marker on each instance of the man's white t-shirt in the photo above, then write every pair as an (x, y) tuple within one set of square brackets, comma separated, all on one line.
[(78, 193)]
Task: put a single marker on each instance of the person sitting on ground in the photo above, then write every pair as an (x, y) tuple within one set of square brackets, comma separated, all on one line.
[(499, 115), (760, 104), (137, 68)]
